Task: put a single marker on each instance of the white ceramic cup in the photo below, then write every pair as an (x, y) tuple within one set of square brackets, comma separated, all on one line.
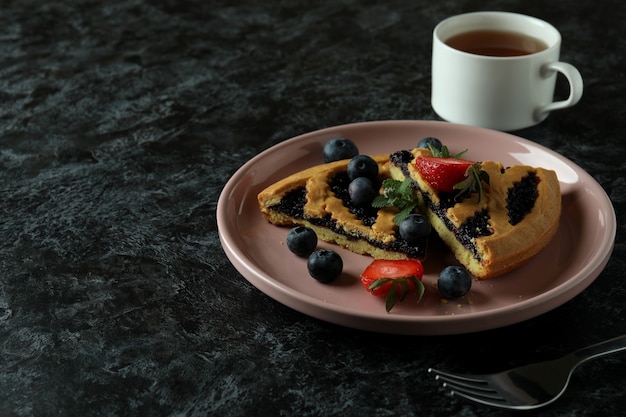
[(502, 93)]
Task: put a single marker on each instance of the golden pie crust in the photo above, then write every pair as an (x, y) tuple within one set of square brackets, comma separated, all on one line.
[(509, 246), (321, 202)]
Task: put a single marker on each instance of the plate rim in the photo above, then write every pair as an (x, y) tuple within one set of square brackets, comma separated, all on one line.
[(396, 324)]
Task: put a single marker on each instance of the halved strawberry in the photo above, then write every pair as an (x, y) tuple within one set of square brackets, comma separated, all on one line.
[(442, 173), (393, 279)]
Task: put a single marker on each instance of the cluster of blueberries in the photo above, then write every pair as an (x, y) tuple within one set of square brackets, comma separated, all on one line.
[(363, 189), (326, 265)]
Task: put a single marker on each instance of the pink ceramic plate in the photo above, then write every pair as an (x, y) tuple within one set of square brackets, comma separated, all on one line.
[(574, 258)]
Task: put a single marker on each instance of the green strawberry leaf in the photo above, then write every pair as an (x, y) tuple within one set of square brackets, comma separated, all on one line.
[(392, 296), (402, 283), (419, 285), (379, 282)]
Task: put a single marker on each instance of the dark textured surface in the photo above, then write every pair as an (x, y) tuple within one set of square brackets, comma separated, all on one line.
[(121, 122)]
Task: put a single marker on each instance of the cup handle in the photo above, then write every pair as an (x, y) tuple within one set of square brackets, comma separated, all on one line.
[(575, 87)]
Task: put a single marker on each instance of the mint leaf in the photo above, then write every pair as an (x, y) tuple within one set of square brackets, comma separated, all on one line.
[(382, 201), (439, 153), (401, 215), (397, 194), (474, 177)]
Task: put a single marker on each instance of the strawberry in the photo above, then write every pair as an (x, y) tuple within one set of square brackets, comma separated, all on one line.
[(442, 173), (449, 174), (393, 279)]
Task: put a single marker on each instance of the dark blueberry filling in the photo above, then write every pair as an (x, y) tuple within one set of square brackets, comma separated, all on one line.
[(398, 245), (293, 203), (448, 200), (521, 198), (401, 159), (474, 227)]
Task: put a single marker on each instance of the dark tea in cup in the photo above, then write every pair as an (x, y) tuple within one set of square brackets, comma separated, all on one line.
[(496, 43), (498, 70)]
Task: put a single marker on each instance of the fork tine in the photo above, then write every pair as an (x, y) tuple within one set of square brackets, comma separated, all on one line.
[(483, 392), (492, 401), (472, 387), (473, 380), (470, 384)]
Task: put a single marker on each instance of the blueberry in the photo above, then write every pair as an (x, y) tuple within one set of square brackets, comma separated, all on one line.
[(301, 240), (340, 148), (434, 142), (414, 228), (362, 192), (454, 282), (325, 265), (363, 166)]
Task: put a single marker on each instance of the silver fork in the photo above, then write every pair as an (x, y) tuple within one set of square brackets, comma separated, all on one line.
[(529, 386)]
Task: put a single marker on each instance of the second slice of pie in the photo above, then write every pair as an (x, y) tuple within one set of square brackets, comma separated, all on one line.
[(516, 216)]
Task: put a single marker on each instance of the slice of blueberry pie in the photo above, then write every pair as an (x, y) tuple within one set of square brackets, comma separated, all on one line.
[(322, 198), (493, 218)]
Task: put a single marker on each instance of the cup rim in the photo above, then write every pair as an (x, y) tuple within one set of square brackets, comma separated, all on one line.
[(475, 20)]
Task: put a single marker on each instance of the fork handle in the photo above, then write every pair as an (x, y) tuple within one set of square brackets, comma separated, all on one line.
[(599, 349)]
